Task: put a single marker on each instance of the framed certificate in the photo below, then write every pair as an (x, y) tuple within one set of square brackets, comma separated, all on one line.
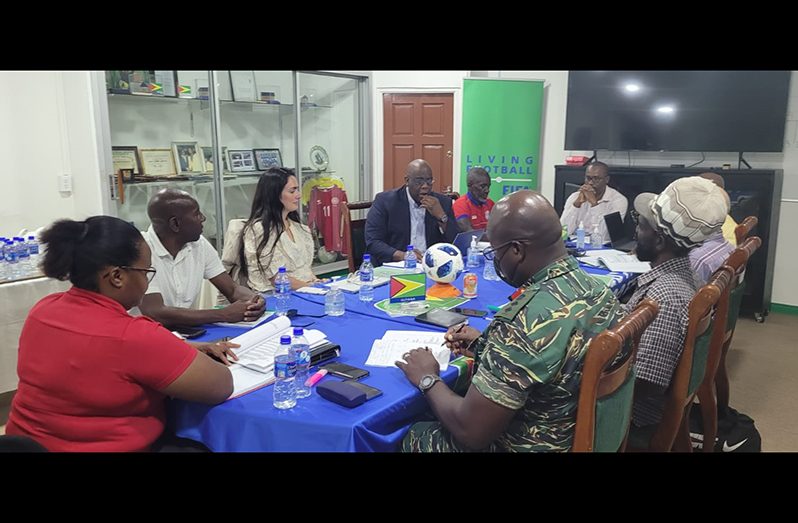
[(240, 160), (158, 162), (265, 158), (126, 157)]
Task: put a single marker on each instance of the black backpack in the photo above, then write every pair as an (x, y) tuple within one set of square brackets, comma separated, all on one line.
[(736, 432)]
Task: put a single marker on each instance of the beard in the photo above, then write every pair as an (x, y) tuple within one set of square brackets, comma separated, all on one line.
[(644, 252)]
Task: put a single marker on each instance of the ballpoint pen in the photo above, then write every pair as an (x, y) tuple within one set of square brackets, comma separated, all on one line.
[(460, 328)]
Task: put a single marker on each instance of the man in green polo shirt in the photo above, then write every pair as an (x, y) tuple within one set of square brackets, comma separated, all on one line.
[(525, 389)]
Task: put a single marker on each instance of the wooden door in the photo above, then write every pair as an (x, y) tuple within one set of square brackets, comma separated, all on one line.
[(418, 126)]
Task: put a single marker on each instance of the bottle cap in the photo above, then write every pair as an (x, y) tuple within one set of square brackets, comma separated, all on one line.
[(298, 331), (285, 340)]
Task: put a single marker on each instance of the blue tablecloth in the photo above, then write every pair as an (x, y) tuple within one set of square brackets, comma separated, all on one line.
[(251, 423)]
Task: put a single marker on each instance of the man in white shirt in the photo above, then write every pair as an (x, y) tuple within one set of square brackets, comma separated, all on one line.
[(183, 258), (593, 201)]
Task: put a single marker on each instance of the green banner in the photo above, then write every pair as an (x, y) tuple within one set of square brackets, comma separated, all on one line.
[(501, 132)]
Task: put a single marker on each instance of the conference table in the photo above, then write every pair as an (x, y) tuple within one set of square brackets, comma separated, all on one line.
[(250, 423)]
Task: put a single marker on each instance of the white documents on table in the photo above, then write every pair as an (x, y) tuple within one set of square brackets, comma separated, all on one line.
[(394, 344), (616, 261)]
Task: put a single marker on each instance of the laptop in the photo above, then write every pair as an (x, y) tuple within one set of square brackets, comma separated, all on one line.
[(618, 237), (463, 240)]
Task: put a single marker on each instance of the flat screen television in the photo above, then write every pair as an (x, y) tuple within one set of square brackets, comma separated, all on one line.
[(703, 111)]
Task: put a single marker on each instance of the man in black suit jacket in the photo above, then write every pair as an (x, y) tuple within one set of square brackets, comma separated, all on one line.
[(389, 227)]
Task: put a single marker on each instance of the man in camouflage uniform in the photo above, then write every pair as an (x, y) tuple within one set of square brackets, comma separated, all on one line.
[(525, 390)]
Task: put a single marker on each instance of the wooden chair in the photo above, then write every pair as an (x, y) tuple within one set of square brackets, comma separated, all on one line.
[(737, 262), (706, 390), (354, 232), (672, 432), (744, 228), (605, 396)]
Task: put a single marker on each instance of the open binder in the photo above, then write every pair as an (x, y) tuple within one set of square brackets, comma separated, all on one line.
[(255, 366)]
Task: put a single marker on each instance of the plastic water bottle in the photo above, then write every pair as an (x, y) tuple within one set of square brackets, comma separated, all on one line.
[(580, 236), (3, 264), (366, 279), (489, 272), (12, 260), (284, 374), (334, 302), (24, 256), (596, 240), (410, 259), (473, 253), (33, 249), (282, 290), (299, 344)]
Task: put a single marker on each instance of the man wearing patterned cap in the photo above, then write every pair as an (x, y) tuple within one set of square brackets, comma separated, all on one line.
[(669, 225)]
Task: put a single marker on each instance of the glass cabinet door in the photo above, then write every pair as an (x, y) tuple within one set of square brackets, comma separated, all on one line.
[(160, 123), (257, 130), (332, 146)]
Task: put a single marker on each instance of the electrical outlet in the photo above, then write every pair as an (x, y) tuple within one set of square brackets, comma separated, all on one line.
[(65, 183)]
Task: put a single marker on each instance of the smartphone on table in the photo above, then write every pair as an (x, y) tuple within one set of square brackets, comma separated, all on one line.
[(476, 313), (190, 332), (342, 370)]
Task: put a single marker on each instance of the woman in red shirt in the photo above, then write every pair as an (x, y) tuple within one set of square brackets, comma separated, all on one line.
[(92, 377)]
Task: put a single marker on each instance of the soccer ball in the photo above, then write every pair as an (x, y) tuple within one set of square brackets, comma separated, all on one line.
[(443, 262)]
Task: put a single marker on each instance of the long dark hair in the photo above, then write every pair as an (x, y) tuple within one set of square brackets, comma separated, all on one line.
[(267, 208), (76, 251)]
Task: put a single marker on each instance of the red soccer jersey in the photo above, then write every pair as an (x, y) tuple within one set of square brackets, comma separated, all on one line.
[(89, 375), (467, 207)]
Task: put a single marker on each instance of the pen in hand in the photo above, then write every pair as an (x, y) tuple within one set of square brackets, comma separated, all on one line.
[(460, 328)]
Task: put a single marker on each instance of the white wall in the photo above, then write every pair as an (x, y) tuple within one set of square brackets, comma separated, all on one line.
[(47, 127)]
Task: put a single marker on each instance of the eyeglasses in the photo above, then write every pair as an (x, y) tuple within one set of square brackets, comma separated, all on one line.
[(150, 271), (490, 252), (420, 181)]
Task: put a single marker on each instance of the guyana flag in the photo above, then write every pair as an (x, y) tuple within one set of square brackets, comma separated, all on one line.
[(184, 90), (156, 88), (408, 287)]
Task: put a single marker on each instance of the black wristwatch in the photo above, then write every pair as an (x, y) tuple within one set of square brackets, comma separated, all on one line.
[(427, 381)]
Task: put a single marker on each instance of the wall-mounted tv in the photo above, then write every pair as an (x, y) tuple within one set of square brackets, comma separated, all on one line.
[(703, 111)]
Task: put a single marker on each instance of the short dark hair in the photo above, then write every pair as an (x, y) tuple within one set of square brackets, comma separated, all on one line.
[(77, 251)]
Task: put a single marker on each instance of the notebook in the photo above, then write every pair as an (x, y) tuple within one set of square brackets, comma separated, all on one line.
[(618, 237), (255, 366)]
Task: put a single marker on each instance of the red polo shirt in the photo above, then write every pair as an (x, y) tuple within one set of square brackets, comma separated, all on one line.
[(89, 375), (467, 207)]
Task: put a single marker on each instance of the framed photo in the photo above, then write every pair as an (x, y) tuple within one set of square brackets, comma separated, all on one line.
[(188, 157), (265, 158), (207, 158), (241, 160), (157, 162), (126, 174), (126, 157)]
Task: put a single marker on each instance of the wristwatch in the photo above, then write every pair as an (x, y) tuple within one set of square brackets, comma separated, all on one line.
[(427, 381), (444, 219)]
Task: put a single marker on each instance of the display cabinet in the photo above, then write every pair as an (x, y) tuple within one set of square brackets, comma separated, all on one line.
[(181, 128)]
